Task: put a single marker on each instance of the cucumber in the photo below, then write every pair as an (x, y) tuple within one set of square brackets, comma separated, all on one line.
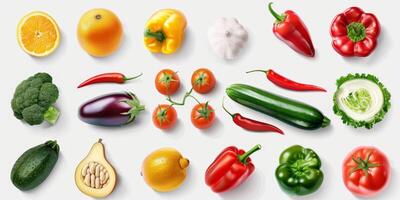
[(34, 165), (293, 112)]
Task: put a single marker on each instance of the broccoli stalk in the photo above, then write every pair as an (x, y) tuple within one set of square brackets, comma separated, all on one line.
[(34, 99), (51, 115)]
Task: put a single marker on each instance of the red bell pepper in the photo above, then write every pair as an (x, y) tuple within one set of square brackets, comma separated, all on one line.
[(290, 29), (355, 33), (230, 169)]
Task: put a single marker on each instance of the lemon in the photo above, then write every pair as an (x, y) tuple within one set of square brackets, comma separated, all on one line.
[(164, 170)]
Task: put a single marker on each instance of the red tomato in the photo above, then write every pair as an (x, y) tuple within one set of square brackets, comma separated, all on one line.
[(202, 116), (164, 116), (203, 81), (167, 82), (366, 171)]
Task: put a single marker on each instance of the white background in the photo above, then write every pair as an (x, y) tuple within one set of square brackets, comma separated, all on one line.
[(127, 146)]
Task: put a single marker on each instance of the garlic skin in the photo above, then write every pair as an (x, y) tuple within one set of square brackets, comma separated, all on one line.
[(227, 37)]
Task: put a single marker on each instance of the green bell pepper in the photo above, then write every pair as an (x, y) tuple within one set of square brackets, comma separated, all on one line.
[(299, 171)]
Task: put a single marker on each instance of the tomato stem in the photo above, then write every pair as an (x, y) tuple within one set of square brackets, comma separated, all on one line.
[(188, 94), (364, 165), (193, 97)]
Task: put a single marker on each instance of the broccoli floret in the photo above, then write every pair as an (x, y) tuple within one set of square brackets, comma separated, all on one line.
[(34, 98), (44, 77), (48, 95), (33, 114)]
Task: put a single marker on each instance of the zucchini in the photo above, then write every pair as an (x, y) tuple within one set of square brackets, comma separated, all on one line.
[(290, 111), (35, 165)]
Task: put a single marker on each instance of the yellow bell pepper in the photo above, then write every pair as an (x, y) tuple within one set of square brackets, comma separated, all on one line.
[(165, 31)]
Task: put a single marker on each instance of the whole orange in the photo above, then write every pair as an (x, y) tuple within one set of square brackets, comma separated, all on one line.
[(99, 32)]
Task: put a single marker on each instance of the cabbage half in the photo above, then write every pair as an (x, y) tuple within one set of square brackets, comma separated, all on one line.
[(361, 100)]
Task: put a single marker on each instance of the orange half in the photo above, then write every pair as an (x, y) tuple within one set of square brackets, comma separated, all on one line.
[(38, 34)]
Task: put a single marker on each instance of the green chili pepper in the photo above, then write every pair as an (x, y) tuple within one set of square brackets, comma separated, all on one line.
[(299, 171)]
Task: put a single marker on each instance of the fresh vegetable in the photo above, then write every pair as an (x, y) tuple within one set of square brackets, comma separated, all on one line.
[(38, 34), (251, 124), (289, 28), (227, 37), (34, 98), (286, 83), (165, 31), (167, 82), (203, 81), (95, 176), (355, 33), (115, 109), (202, 116), (299, 171), (361, 100), (34, 165), (164, 116), (100, 32), (366, 171), (113, 77), (290, 111), (164, 170), (231, 168)]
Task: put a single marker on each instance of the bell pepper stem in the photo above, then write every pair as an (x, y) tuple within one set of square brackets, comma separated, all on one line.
[(356, 31), (131, 78), (279, 18), (243, 158), (158, 35)]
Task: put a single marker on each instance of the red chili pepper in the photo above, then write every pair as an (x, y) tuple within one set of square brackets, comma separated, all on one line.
[(230, 169), (286, 83), (107, 78), (251, 124), (355, 33), (289, 28)]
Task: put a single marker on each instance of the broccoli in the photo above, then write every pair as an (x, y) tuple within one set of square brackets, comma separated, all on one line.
[(34, 98)]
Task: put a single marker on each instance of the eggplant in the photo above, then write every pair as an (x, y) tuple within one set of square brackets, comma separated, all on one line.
[(115, 109)]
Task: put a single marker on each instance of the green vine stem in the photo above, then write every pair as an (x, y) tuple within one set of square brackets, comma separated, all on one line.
[(187, 94)]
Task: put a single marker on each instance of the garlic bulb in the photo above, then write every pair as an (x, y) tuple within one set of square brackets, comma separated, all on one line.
[(227, 37)]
